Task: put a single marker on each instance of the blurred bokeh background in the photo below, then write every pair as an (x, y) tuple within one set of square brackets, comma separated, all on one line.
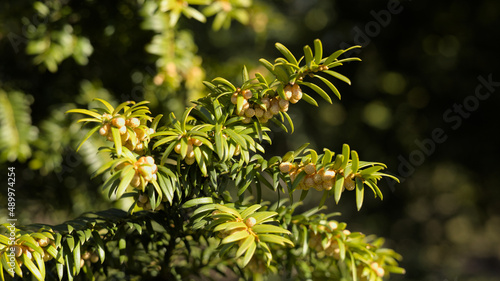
[(424, 101)]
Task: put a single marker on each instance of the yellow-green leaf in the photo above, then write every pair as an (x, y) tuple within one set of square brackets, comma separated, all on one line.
[(354, 162), (86, 112), (5, 263), (245, 245), (41, 264), (1, 272), (127, 174), (249, 254), (4, 240), (336, 54), (309, 99), (117, 140), (288, 55), (32, 267), (239, 104), (198, 201), (121, 106), (87, 136), (338, 76), (318, 51), (261, 217), (339, 186), (267, 65), (360, 192), (268, 228), (229, 226), (345, 153), (222, 81), (54, 253), (100, 245), (271, 238), (106, 104), (250, 210), (330, 85), (308, 55), (318, 90), (235, 237), (228, 210)]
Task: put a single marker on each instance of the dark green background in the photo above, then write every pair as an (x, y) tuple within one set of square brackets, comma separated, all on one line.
[(421, 61)]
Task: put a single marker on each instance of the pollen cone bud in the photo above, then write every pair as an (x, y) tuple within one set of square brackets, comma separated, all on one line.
[(245, 106), (268, 114), (190, 151), (94, 258), (104, 130), (310, 169), (150, 160), (189, 160), (328, 175), (139, 147), (374, 266), (263, 120), (349, 184), (146, 172), (259, 112), (122, 130), (118, 122), (250, 112), (143, 198), (247, 94), (234, 98), (284, 104), (250, 222), (86, 255), (140, 134), (43, 242), (18, 251), (28, 254), (309, 181), (288, 91), (296, 92), (333, 225), (46, 257), (380, 272), (317, 179), (133, 122), (136, 181), (196, 142), (327, 185), (106, 117), (265, 102), (285, 167), (177, 148), (275, 109)]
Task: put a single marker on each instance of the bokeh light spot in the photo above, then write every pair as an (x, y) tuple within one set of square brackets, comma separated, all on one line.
[(459, 230), (316, 19), (377, 115), (393, 83)]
